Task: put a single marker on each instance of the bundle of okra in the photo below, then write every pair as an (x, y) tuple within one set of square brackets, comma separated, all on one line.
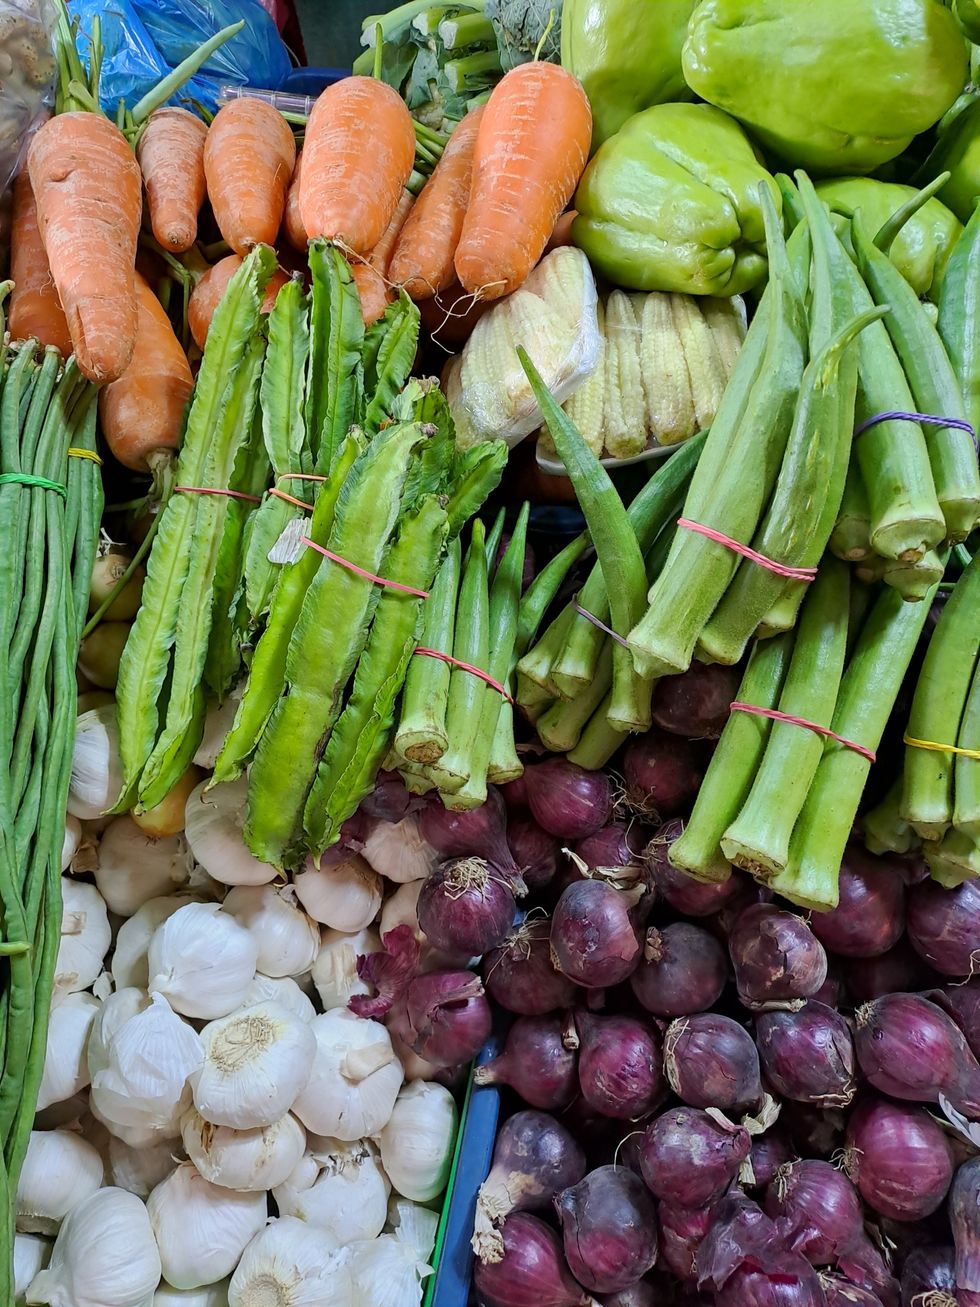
[(50, 508)]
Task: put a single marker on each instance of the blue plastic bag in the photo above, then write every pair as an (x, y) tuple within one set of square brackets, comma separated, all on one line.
[(144, 39)]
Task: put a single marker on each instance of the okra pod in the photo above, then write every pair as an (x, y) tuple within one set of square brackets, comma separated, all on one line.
[(599, 741), (540, 594), (421, 734), (851, 536), (885, 829), (494, 536), (560, 728), (966, 779), (534, 669), (954, 859), (914, 580), (959, 315)]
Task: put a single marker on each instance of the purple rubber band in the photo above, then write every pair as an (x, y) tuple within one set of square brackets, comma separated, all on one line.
[(591, 617), (929, 419)]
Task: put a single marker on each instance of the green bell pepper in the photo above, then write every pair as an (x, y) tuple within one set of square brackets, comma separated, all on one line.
[(627, 55), (958, 152), (671, 203), (967, 14), (829, 86)]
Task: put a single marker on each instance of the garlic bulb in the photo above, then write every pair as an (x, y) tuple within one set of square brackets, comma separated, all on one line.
[(255, 1063), (60, 1170), (140, 1170), (96, 772), (201, 1229), (65, 1064), (417, 1140), (288, 940), (129, 962), (105, 1256), (31, 1253), (415, 1067), (292, 1264), (345, 1192), (202, 961), (213, 824), (401, 909), (85, 936), (335, 969), (209, 1295), (150, 1058), (218, 721), (134, 868), (261, 1158), (388, 1271), (137, 1136), (345, 895), (278, 989), (355, 1079), (116, 1010), (73, 838), (397, 850)]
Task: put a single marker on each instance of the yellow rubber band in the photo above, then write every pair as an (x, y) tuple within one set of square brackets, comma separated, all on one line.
[(85, 453), (942, 748)]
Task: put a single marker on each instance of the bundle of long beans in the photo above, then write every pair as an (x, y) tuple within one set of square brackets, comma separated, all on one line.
[(50, 507)]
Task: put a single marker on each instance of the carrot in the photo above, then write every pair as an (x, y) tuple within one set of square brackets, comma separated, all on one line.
[(359, 153), (531, 148), (423, 257), (248, 160), (371, 276), (143, 410), (35, 310), (77, 162), (206, 295), (171, 155), (292, 222)]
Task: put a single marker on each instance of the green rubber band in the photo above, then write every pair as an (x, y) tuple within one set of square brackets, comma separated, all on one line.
[(26, 479)]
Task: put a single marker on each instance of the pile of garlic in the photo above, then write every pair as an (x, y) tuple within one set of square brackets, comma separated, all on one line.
[(215, 1128)]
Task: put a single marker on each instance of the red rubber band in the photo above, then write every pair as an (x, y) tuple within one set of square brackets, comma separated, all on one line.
[(777, 716), (359, 571), (210, 490), (281, 494), (779, 569), (299, 476), (467, 667)]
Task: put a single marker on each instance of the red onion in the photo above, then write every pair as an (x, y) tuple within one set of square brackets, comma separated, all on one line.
[(815, 1131), (532, 1271), (682, 1231), (534, 1158), (689, 1158), (465, 907), (536, 852), (841, 1292), (609, 1227), (962, 1002), (662, 774), (616, 845), (388, 971), (694, 898), (619, 1066), (775, 955), (389, 800), (964, 1216), (807, 1055), (928, 1278), (870, 915), (909, 1048), (740, 1234), (640, 1294), (944, 926), (769, 1152), (514, 794), (899, 1158), (475, 832), (832, 990), (900, 968), (449, 1016), (787, 1280), (696, 703), (684, 970), (568, 801), (519, 976), (535, 1062), (354, 831), (593, 941), (711, 1061)]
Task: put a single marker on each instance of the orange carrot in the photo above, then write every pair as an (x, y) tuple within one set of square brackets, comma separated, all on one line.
[(248, 160), (531, 148), (359, 153), (143, 410), (35, 310), (171, 155), (372, 276), (423, 257), (88, 189), (292, 222), (207, 294)]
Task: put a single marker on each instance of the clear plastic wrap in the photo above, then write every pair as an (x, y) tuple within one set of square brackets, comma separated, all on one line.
[(28, 70)]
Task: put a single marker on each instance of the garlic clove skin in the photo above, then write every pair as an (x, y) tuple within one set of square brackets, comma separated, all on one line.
[(335, 969), (201, 1229), (140, 1170), (355, 1078), (31, 1254), (417, 1141), (209, 1295), (96, 770), (282, 990), (341, 1188), (397, 850), (288, 941), (248, 1160), (218, 721), (213, 822), (115, 1011), (130, 967), (71, 842), (105, 1255), (202, 961), (401, 909), (134, 868), (344, 894), (292, 1264), (85, 936), (255, 1063), (66, 1070), (60, 1170)]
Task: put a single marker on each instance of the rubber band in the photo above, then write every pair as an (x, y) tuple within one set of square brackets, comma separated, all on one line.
[(467, 667), (26, 479), (941, 748), (898, 415), (359, 571), (213, 490), (290, 499), (777, 716), (300, 476), (591, 617), (778, 569), (85, 453)]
